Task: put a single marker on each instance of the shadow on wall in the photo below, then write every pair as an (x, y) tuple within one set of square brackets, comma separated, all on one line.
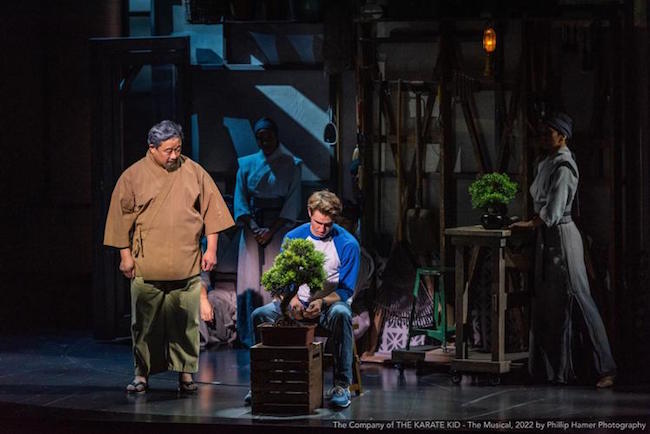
[(230, 101)]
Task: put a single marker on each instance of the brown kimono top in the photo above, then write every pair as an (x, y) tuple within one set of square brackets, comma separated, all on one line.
[(161, 216)]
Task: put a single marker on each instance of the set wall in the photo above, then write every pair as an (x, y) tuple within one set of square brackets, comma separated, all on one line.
[(46, 235)]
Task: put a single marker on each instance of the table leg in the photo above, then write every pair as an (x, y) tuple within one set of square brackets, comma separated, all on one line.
[(461, 346), (498, 304)]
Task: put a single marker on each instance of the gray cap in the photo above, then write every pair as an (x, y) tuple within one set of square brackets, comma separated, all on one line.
[(560, 122)]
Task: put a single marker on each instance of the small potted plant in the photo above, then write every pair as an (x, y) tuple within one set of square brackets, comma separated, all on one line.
[(298, 264), (493, 192)]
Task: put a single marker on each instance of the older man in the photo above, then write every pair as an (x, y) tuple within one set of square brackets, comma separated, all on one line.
[(160, 207)]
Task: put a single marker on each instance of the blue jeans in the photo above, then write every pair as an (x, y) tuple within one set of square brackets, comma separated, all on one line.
[(337, 319)]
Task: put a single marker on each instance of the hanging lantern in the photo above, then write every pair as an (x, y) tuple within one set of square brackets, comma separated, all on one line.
[(489, 45), (489, 40)]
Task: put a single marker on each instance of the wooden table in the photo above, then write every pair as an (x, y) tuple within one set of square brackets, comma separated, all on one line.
[(497, 239)]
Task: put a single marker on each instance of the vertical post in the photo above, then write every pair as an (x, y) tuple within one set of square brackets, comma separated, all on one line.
[(447, 204), (461, 352), (365, 61), (125, 18), (498, 302), (440, 302), (399, 235), (162, 20), (616, 188), (416, 290), (339, 139), (644, 112), (525, 166), (447, 185), (183, 106), (499, 95)]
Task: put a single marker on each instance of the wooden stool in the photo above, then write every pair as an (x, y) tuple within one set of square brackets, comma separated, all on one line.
[(355, 385), (440, 333)]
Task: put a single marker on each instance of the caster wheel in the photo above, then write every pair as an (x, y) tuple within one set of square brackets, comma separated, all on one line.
[(494, 380), (456, 377)]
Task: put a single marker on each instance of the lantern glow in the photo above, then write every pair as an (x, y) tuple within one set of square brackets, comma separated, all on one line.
[(489, 40)]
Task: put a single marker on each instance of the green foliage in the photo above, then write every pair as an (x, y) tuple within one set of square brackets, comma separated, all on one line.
[(492, 189), (298, 263)]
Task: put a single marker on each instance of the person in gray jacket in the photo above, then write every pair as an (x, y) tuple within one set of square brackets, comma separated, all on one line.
[(561, 286)]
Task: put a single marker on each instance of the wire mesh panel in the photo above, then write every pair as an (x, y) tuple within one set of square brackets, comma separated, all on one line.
[(205, 11)]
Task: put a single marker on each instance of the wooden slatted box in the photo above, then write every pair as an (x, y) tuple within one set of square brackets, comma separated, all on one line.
[(286, 380)]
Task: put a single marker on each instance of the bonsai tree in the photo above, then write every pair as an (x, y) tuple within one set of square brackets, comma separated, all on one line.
[(492, 191), (298, 264)]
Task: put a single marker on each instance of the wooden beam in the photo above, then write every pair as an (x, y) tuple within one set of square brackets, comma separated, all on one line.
[(428, 110), (397, 154), (616, 189), (367, 145), (153, 43), (475, 136), (387, 108), (503, 146), (447, 203)]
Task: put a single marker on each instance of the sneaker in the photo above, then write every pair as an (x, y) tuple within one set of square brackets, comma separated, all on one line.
[(340, 397), (330, 392), (248, 398), (605, 382)]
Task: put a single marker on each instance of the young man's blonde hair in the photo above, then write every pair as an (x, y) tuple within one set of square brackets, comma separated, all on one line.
[(326, 202)]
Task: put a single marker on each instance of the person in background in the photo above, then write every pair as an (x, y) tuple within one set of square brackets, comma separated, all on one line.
[(562, 290), (267, 204)]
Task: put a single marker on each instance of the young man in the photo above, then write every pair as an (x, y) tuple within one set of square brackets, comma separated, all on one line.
[(160, 207), (332, 311)]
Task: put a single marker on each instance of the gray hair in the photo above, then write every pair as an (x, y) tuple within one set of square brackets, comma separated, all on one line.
[(162, 131)]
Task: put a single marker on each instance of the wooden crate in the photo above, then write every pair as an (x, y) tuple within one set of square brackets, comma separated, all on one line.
[(286, 380)]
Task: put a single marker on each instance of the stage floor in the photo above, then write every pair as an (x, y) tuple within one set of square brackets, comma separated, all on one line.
[(73, 379)]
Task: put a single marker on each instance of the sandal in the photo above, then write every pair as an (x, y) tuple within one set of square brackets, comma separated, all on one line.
[(187, 386), (137, 387)]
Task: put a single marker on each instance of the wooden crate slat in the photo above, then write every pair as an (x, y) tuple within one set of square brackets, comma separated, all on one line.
[(285, 353), (264, 377), (282, 387), (274, 366), (286, 380)]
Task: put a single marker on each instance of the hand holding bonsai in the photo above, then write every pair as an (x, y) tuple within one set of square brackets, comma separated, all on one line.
[(314, 309), (298, 264), (296, 309)]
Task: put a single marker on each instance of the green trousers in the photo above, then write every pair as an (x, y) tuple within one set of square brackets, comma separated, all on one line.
[(165, 326)]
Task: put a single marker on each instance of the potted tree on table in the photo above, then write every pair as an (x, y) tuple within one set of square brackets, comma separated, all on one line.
[(298, 264), (493, 192)]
